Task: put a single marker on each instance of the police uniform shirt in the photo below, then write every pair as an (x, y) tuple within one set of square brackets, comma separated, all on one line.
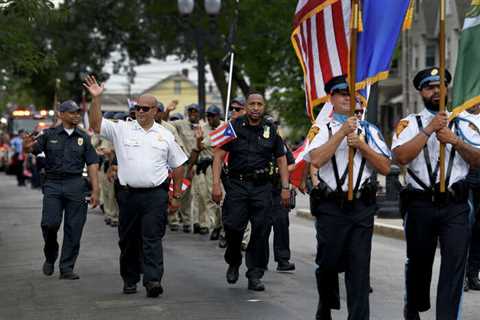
[(253, 147), (144, 157), (186, 132), (326, 172), (407, 129), (65, 153)]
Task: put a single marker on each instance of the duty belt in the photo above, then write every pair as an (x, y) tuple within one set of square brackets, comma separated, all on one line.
[(62, 175), (255, 176)]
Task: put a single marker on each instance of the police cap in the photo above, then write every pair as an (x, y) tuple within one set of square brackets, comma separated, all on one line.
[(68, 106), (239, 100), (193, 106), (430, 76), (161, 107), (213, 109), (338, 83)]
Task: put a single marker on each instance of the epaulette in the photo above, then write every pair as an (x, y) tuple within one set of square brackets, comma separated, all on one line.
[(401, 126)]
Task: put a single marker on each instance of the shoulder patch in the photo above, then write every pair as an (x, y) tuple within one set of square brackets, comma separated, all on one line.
[(401, 126), (314, 130), (474, 128)]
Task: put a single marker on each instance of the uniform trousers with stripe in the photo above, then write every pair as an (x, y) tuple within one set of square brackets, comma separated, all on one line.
[(427, 224), (344, 241)]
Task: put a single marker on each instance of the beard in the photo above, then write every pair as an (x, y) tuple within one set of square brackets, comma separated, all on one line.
[(432, 105)]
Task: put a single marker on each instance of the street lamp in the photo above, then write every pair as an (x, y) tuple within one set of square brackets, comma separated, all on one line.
[(212, 8)]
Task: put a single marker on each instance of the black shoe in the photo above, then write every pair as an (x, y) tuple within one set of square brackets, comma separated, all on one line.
[(323, 314), (203, 230), (222, 243), (129, 288), (410, 314), (466, 285), (174, 227), (69, 276), (48, 268), (255, 285), (284, 266), (196, 228), (473, 283), (187, 228), (154, 289), (232, 274), (215, 234), (107, 221), (114, 224)]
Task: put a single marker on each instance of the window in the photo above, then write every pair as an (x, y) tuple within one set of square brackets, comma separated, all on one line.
[(177, 87), (430, 55)]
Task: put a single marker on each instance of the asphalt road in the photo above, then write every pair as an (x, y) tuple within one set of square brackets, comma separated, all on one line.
[(195, 286)]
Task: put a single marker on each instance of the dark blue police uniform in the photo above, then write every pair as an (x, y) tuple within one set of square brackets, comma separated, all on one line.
[(249, 192), (64, 190)]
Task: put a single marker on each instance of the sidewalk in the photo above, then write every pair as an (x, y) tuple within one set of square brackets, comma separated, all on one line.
[(392, 228)]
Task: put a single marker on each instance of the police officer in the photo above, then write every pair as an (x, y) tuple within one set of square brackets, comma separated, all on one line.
[(145, 153), (186, 130), (473, 178), (279, 221), (249, 194), (173, 219), (344, 227), (431, 216), (67, 150), (202, 156)]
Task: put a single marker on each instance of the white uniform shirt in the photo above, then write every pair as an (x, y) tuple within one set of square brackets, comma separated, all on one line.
[(418, 165), (326, 172), (144, 157)]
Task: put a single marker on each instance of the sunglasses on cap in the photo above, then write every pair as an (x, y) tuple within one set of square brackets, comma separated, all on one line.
[(143, 108)]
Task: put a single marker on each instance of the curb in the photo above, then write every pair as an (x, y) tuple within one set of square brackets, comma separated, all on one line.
[(382, 229)]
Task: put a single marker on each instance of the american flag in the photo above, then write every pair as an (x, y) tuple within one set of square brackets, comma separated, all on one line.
[(222, 135), (321, 40)]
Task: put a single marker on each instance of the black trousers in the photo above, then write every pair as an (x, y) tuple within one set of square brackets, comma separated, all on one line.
[(18, 169), (474, 252), (278, 220), (247, 201), (67, 195), (344, 241), (425, 224), (142, 221)]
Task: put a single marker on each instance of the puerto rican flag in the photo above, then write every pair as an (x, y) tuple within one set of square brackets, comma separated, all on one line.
[(222, 135), (185, 185)]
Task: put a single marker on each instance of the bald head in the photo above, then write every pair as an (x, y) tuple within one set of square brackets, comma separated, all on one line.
[(147, 100)]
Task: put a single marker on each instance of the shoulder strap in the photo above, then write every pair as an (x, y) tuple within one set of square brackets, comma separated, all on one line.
[(334, 163), (362, 168), (451, 159), (426, 154)]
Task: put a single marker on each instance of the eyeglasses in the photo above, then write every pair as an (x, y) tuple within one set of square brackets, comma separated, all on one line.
[(237, 109), (143, 108), (358, 112)]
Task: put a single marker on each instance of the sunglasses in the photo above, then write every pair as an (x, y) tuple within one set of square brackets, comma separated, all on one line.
[(237, 109), (358, 112), (143, 108)]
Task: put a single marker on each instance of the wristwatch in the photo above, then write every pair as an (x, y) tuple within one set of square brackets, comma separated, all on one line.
[(286, 187)]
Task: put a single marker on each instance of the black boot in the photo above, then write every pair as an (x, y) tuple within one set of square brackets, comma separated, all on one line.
[(473, 281), (409, 314), (323, 313)]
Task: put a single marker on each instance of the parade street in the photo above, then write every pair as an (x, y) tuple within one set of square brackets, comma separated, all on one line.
[(194, 282)]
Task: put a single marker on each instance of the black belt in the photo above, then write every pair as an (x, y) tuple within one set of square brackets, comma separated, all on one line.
[(164, 186), (250, 176), (62, 176)]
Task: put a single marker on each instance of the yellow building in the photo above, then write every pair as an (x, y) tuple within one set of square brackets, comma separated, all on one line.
[(178, 87)]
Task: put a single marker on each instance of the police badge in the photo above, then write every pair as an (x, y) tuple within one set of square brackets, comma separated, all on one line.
[(80, 141), (266, 132)]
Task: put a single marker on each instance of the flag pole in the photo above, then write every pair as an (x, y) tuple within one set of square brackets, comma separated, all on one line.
[(442, 89), (231, 40), (352, 70)]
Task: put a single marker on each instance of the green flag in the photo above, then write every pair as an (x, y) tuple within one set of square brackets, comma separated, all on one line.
[(466, 86)]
